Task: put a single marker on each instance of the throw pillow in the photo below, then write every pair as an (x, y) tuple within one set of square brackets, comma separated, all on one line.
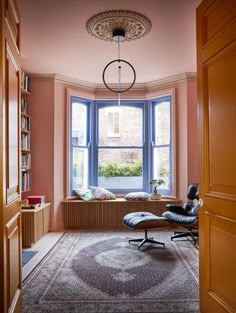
[(138, 196), (77, 192), (86, 194), (102, 193)]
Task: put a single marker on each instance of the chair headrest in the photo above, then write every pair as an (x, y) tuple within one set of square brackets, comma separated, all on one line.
[(192, 191)]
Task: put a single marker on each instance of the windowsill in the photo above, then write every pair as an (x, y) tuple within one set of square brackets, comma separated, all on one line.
[(118, 199)]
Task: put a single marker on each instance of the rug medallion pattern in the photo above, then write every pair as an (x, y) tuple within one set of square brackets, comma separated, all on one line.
[(102, 272)]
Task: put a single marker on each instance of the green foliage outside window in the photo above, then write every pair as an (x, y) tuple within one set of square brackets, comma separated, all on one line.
[(115, 169)]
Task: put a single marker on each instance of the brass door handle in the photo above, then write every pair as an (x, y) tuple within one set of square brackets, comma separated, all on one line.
[(198, 202)]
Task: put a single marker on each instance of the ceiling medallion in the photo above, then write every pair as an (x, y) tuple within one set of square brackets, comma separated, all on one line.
[(103, 24)]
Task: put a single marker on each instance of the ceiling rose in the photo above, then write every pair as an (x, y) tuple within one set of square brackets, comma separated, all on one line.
[(102, 25)]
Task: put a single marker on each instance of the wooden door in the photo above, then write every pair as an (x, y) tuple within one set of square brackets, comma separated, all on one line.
[(10, 230), (216, 59)]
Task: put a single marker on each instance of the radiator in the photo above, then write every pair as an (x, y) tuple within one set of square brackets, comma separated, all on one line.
[(107, 215)]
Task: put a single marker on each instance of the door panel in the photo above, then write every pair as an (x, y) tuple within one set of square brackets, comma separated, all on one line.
[(222, 113), (10, 218), (13, 265), (12, 191), (12, 126), (221, 239), (12, 21), (216, 66)]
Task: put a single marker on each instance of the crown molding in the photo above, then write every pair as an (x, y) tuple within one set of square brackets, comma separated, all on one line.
[(66, 80), (92, 87), (171, 80)]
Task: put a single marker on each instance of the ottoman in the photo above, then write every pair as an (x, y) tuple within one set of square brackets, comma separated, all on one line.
[(143, 220)]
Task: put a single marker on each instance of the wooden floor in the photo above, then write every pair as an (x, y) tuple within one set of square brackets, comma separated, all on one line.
[(43, 246)]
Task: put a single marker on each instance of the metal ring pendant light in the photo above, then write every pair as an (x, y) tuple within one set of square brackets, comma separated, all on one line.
[(119, 35)]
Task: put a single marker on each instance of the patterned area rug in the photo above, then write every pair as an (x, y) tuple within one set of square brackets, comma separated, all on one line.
[(102, 272)]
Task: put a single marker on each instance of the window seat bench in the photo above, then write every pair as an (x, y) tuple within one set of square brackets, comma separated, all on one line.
[(108, 214)]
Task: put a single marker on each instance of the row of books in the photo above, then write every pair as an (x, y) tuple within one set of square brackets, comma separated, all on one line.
[(25, 141), (26, 161), (24, 106), (25, 82), (25, 123), (25, 181)]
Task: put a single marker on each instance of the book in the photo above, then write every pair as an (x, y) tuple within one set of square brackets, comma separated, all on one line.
[(36, 199)]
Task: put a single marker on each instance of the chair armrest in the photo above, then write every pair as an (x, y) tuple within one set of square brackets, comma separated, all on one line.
[(176, 209)]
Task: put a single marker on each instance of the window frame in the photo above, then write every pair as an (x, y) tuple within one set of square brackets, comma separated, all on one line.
[(153, 104), (87, 146), (136, 104), (92, 138)]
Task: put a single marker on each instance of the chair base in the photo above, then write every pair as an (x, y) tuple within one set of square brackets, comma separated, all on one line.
[(190, 233), (146, 239)]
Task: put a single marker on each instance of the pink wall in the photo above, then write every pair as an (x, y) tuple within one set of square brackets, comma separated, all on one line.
[(193, 175), (59, 154), (49, 151), (181, 142), (41, 104), (187, 132)]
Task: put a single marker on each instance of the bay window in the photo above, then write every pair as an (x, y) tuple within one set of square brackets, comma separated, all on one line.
[(121, 147)]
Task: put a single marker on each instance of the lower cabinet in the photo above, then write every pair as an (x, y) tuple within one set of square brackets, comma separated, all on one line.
[(35, 224)]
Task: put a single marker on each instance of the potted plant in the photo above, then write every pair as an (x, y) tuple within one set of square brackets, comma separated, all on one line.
[(156, 183)]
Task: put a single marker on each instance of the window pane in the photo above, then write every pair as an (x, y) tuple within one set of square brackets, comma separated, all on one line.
[(79, 124), (120, 168), (113, 124), (161, 165), (162, 123), (79, 168), (120, 126)]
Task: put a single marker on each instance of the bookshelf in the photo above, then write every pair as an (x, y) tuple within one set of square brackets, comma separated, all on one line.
[(35, 223), (25, 134)]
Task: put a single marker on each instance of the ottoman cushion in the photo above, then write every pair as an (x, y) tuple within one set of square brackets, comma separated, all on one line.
[(142, 220)]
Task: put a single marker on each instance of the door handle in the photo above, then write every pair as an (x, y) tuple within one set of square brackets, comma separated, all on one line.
[(198, 202)]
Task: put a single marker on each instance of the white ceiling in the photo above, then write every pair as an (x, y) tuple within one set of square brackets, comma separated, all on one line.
[(54, 39)]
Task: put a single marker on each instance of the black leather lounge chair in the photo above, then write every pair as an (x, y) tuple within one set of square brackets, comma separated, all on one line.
[(185, 216)]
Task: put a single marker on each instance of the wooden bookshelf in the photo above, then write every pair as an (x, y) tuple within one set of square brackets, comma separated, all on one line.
[(25, 134), (35, 223)]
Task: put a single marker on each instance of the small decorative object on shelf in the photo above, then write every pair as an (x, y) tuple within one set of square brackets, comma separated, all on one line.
[(156, 183), (25, 134)]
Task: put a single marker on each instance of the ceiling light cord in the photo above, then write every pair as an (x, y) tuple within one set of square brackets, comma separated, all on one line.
[(118, 36), (119, 71), (118, 48), (119, 83)]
